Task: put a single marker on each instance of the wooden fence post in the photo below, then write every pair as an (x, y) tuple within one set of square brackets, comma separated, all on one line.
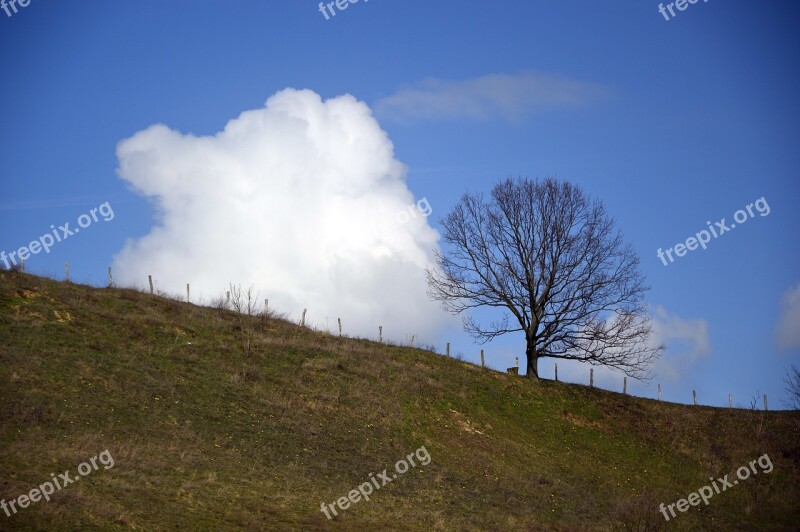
[(187, 292), (694, 397), (380, 333), (227, 299), (625, 385), (266, 306), (730, 400), (591, 377), (483, 364), (556, 371), (448, 349), (22, 265), (659, 392), (765, 402), (340, 326), (303, 319), (150, 280), (110, 278), (66, 269), (412, 340)]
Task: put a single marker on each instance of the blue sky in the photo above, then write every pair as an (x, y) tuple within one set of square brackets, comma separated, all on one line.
[(670, 123)]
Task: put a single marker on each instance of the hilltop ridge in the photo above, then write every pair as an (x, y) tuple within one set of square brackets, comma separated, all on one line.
[(206, 436)]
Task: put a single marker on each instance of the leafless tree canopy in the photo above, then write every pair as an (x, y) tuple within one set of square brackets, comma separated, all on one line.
[(550, 258)]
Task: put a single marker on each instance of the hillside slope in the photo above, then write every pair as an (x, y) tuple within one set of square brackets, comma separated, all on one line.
[(204, 437)]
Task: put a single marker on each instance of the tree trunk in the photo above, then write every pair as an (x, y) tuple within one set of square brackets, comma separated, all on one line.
[(533, 361)]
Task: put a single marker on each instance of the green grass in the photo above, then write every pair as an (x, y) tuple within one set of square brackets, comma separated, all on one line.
[(204, 437)]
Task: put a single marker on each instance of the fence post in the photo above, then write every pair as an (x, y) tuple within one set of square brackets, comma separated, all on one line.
[(516, 364), (187, 292), (303, 319), (66, 269), (659, 392), (340, 326), (22, 265), (694, 397), (730, 400), (150, 280), (448, 350), (266, 306), (625, 385), (556, 371), (380, 333), (591, 377), (765, 402), (227, 299), (483, 364), (110, 279)]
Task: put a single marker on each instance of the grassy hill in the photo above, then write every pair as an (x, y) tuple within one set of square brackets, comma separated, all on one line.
[(204, 437)]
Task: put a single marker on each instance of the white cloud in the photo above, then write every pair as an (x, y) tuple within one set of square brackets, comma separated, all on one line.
[(510, 97), (299, 198), (787, 332), (686, 340)]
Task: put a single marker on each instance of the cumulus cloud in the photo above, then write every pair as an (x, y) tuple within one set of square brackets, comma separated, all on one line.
[(687, 341), (787, 332), (510, 97), (299, 198)]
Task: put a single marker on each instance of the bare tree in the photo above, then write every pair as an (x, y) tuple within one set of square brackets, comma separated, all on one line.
[(792, 380), (549, 257), (244, 304)]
